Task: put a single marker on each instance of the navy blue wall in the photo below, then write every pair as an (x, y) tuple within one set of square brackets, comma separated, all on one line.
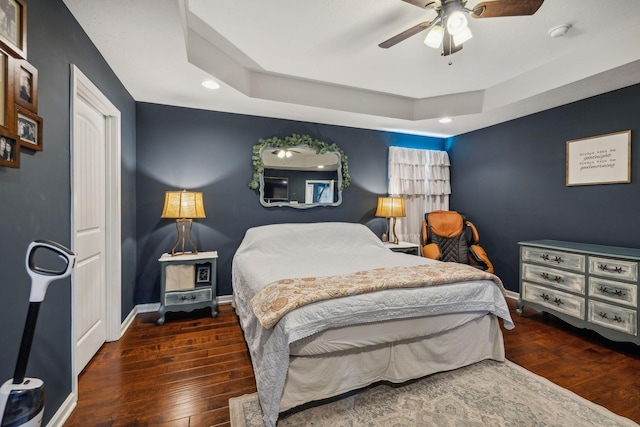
[(509, 179), (211, 152), (36, 198)]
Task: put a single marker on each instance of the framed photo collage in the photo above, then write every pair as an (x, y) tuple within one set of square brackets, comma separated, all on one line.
[(20, 125)]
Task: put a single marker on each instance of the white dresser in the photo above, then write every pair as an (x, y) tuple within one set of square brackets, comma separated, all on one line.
[(588, 286)]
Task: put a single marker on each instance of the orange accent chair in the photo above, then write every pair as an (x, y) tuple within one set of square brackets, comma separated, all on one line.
[(448, 236)]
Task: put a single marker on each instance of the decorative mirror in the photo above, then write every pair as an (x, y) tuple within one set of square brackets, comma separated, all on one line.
[(299, 172)]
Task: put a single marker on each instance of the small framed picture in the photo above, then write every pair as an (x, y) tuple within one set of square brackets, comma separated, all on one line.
[(6, 90), (26, 86), (203, 274), (13, 27), (9, 149), (29, 129)]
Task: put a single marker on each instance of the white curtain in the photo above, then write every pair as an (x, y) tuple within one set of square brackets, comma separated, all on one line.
[(422, 178)]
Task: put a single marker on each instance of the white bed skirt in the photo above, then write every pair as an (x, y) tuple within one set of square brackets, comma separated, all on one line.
[(311, 378)]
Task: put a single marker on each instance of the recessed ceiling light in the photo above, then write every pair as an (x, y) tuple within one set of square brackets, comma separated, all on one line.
[(210, 84), (559, 31), (446, 120)]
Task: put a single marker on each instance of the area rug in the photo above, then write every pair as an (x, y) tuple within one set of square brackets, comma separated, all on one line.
[(486, 394)]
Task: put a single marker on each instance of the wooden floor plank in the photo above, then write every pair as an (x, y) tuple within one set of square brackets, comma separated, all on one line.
[(182, 374), (605, 372)]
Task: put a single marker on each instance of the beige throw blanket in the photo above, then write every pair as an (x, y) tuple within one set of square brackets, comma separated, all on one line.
[(279, 298)]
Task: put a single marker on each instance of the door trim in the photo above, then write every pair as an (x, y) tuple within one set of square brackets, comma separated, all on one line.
[(82, 87)]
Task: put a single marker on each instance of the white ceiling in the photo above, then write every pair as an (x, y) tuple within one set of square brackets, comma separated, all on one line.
[(319, 61)]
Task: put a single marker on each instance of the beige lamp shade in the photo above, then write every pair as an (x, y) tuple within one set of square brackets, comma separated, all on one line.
[(391, 207), (183, 204)]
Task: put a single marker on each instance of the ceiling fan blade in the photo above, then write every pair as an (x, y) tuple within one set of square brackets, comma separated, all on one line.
[(497, 8), (421, 3), (405, 34), (448, 47)]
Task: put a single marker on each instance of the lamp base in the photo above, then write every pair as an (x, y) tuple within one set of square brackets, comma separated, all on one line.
[(181, 237), (393, 229)]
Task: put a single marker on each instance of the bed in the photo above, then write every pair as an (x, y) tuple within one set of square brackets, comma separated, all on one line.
[(317, 346)]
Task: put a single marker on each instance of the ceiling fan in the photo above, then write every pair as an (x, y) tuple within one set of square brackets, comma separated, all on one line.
[(450, 30)]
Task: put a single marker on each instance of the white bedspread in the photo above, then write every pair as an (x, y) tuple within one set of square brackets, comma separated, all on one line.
[(279, 251)]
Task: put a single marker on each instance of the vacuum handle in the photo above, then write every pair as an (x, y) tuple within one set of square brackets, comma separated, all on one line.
[(42, 277), (40, 280), (62, 251), (25, 344)]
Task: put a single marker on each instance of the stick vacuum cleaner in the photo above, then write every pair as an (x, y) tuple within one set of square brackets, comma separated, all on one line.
[(22, 399)]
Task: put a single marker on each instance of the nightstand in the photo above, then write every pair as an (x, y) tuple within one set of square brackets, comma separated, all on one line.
[(405, 247), (187, 282)]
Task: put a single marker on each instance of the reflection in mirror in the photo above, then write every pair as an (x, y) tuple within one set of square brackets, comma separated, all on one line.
[(299, 177)]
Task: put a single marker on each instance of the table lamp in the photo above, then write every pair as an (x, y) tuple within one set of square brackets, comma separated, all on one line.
[(391, 207), (183, 206)]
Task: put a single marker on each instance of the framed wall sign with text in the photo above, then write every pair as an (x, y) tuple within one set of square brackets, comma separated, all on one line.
[(604, 159)]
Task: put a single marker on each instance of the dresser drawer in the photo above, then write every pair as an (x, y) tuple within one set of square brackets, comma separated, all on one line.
[(623, 293), (558, 278), (575, 262), (189, 297), (613, 317), (624, 270), (563, 302)]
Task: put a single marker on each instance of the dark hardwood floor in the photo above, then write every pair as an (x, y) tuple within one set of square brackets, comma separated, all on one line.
[(179, 374), (184, 372), (602, 371)]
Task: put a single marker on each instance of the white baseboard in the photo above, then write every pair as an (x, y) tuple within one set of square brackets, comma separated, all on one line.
[(141, 308), (150, 308), (225, 299), (146, 308), (512, 294), (64, 411)]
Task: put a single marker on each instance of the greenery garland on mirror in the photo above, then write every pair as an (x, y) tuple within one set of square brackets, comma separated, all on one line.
[(295, 140)]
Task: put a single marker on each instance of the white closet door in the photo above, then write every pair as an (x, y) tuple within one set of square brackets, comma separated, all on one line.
[(89, 189)]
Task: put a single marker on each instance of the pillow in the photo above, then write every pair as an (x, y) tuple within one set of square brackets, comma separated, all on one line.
[(337, 237)]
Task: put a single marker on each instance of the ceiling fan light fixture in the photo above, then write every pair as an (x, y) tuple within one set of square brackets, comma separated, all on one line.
[(434, 37), (456, 22), (462, 36)]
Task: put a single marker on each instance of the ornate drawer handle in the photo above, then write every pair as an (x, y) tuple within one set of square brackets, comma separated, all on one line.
[(546, 276), (615, 318), (556, 301), (604, 267), (616, 292), (557, 259), (184, 297)]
